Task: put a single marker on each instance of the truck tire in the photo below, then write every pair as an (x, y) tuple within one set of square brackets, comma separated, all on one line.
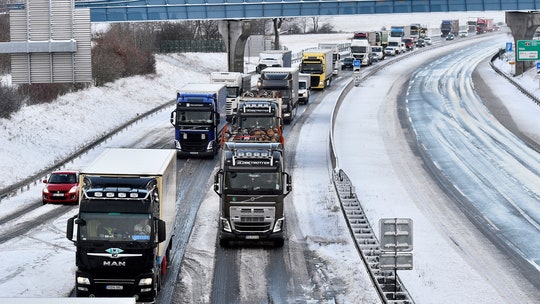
[(279, 243), (224, 243)]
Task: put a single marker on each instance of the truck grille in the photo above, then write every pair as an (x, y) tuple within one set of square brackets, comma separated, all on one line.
[(252, 219), (194, 143), (230, 108)]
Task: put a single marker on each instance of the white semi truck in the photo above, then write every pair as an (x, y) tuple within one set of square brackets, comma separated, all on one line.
[(237, 83), (124, 226), (274, 58), (361, 50)]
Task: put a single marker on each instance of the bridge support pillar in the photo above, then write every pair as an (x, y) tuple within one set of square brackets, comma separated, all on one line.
[(523, 25), (235, 34)]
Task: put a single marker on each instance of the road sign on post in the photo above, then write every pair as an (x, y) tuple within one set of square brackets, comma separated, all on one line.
[(528, 50), (356, 65), (396, 245), (401, 261), (396, 234)]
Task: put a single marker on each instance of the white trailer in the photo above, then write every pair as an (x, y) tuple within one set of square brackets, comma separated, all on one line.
[(125, 223), (237, 83), (274, 58), (339, 51)]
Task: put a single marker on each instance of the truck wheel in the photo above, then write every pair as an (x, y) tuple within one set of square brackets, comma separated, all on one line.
[(224, 243), (279, 243)]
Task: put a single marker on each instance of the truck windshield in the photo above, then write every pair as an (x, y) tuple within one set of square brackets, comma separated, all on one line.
[(258, 122), (259, 182), (195, 116), (115, 226), (358, 49), (315, 68), (233, 92)]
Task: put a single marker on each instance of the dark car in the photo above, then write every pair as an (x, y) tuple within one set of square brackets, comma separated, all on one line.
[(61, 187), (347, 63), (420, 43)]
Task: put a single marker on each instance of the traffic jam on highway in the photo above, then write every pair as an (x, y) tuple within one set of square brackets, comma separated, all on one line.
[(126, 212)]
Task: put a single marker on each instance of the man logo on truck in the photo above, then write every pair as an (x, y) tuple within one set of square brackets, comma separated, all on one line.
[(114, 263), (114, 252)]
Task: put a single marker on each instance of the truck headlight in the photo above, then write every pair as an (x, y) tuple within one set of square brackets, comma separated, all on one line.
[(279, 225), (83, 280), (145, 282), (225, 224)]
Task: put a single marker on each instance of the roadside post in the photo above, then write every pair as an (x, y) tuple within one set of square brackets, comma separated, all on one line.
[(538, 72), (396, 245), (356, 72)]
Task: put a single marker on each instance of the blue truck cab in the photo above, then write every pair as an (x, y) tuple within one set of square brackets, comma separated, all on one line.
[(199, 118)]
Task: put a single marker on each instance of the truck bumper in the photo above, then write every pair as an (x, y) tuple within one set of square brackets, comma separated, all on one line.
[(187, 152), (251, 237), (115, 287), (226, 236)]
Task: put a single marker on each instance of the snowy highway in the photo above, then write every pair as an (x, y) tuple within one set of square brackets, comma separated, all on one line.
[(396, 176), (454, 263), (496, 174)]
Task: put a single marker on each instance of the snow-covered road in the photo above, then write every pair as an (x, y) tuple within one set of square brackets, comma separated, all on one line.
[(453, 262)]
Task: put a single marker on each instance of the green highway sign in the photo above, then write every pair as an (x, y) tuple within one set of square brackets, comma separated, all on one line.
[(528, 50)]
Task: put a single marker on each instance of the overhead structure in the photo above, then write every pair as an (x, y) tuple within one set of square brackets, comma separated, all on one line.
[(50, 43), (235, 16), (523, 25), (146, 10)]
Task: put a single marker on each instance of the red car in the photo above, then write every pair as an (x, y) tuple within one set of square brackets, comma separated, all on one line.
[(61, 187)]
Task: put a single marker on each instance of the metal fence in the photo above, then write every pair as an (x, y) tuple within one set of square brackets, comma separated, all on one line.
[(191, 46)]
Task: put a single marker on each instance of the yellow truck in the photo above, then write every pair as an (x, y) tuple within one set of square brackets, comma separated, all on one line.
[(319, 64)]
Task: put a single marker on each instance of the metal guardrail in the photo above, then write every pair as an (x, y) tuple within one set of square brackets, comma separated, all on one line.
[(510, 79), (388, 286)]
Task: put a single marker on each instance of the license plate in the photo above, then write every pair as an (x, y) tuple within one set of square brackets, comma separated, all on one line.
[(58, 194), (114, 287), (252, 237)]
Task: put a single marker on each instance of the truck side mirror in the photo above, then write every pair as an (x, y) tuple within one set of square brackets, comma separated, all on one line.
[(162, 232), (218, 118), (173, 118), (217, 188), (288, 181), (69, 228)]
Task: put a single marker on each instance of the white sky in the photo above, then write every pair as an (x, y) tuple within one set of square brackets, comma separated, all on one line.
[(38, 135)]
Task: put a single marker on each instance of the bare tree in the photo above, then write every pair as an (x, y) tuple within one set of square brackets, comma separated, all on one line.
[(315, 20)]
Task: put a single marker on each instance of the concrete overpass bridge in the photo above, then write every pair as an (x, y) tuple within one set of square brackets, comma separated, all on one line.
[(151, 10), (234, 15)]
